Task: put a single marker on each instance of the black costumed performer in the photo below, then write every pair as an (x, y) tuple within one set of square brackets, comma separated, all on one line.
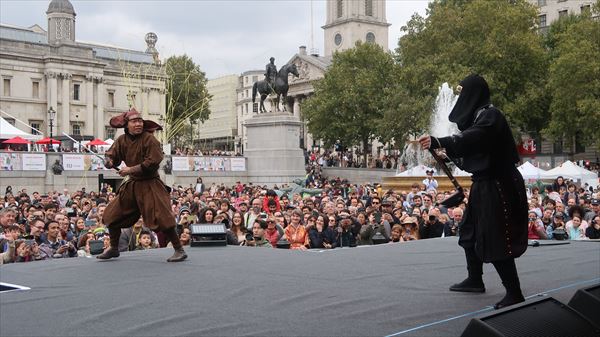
[(494, 228), (142, 192)]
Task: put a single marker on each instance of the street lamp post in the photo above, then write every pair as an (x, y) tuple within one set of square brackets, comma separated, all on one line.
[(51, 116)]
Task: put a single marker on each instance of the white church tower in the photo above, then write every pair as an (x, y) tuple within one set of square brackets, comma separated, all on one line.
[(349, 21)]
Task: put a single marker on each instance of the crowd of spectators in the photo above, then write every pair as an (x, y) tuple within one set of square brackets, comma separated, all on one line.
[(349, 159), (40, 226)]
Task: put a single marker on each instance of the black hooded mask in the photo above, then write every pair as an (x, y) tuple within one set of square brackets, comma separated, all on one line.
[(475, 94)]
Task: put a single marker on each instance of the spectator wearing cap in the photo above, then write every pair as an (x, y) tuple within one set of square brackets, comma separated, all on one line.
[(430, 182), (559, 223), (295, 233), (535, 230), (410, 227)]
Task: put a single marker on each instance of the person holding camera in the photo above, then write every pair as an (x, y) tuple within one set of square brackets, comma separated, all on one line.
[(257, 238), (557, 230), (535, 229), (54, 246), (376, 231), (432, 227)]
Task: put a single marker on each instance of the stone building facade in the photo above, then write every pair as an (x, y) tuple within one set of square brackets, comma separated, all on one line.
[(86, 84)]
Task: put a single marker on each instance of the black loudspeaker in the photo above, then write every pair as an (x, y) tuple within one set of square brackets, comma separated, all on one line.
[(545, 317), (587, 302), (208, 235)]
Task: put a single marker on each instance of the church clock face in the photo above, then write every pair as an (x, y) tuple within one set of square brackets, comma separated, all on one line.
[(337, 39)]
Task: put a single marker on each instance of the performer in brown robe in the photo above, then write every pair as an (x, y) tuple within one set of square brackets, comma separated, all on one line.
[(142, 192), (494, 228)]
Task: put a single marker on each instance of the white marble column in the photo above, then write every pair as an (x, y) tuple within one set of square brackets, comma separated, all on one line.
[(52, 98), (89, 106), (65, 117), (100, 121)]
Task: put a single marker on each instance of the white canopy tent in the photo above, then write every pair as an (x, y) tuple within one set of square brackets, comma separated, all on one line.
[(529, 171), (8, 131), (569, 170)]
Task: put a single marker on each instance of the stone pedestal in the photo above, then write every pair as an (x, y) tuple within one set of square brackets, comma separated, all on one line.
[(273, 150)]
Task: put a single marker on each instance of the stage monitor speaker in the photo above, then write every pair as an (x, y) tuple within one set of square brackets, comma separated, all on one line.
[(208, 235), (544, 317), (587, 302)]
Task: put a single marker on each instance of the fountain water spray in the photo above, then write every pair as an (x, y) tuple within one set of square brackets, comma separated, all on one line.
[(418, 161)]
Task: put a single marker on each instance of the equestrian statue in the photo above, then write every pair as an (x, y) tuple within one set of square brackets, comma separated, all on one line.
[(275, 82)]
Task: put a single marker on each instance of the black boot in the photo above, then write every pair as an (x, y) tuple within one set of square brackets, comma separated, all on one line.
[(172, 237), (510, 279), (113, 250), (474, 282)]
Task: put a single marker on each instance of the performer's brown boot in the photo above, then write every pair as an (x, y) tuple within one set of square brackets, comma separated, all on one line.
[(113, 250), (179, 254), (473, 283)]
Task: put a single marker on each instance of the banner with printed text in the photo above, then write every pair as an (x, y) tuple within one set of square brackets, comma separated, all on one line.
[(19, 161)]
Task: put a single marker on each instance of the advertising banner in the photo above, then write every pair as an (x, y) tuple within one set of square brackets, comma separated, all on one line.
[(34, 162)]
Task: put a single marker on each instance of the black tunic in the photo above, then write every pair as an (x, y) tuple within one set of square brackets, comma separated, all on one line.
[(495, 222)]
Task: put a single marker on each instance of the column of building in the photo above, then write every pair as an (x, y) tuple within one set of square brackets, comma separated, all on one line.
[(89, 107), (52, 98), (65, 118), (100, 94)]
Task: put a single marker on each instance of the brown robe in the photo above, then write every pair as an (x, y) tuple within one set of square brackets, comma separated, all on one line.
[(144, 193)]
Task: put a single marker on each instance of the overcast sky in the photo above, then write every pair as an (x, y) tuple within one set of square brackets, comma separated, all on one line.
[(223, 37)]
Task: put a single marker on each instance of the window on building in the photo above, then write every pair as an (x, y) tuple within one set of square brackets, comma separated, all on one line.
[(255, 107), (10, 121), (76, 88), (340, 8), (370, 37), (542, 19), (247, 93), (35, 125), (557, 147), (579, 147), (541, 3), (111, 99), (35, 89), (254, 79), (369, 7), (76, 129), (585, 9), (109, 132), (6, 83), (563, 13)]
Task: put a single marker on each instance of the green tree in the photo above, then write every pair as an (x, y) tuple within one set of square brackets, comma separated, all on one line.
[(349, 101), (497, 39), (187, 96), (574, 79)]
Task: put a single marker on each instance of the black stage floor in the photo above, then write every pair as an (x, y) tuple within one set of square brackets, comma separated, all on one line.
[(398, 289)]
